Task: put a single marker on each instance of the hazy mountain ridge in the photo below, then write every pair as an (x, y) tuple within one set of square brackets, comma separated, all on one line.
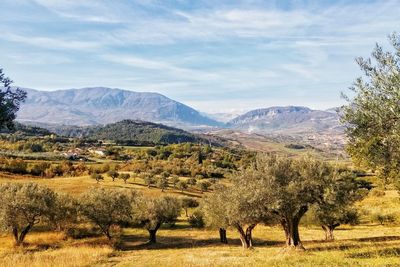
[(100, 105), (290, 119)]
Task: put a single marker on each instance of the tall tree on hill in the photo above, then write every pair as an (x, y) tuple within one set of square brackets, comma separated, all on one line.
[(10, 100), (372, 116)]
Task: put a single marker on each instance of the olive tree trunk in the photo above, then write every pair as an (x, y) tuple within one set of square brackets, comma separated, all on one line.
[(246, 235), (222, 235), (152, 234), (290, 224), (19, 238), (105, 229), (328, 229)]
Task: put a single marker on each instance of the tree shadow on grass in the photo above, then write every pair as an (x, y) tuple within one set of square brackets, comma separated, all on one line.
[(387, 252), (357, 243), (333, 246), (140, 242), (377, 239)]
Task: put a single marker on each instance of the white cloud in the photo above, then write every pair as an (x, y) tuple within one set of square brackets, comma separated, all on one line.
[(51, 42)]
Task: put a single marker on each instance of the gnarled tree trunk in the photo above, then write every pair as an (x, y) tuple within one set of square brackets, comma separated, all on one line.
[(290, 224), (246, 235), (329, 231), (222, 236), (152, 234), (19, 239)]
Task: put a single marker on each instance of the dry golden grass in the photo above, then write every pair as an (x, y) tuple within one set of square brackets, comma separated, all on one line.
[(78, 185), (183, 246), (50, 249), (355, 246)]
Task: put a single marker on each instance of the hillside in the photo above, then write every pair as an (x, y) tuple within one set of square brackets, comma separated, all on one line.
[(130, 132), (302, 125), (291, 119), (100, 105), (27, 130), (139, 132)]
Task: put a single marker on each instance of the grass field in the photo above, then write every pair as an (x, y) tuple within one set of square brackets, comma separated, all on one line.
[(368, 244)]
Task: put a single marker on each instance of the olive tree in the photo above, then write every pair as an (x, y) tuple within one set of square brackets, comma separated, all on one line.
[(106, 208), (124, 177), (336, 205), (248, 203), (204, 186), (372, 115), (65, 212), (10, 100), (188, 202), (151, 213), (23, 206), (182, 185), (296, 184), (214, 211), (162, 183), (148, 180), (113, 174), (96, 176), (174, 179)]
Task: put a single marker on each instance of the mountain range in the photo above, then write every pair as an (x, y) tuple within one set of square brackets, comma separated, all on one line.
[(288, 120), (100, 105)]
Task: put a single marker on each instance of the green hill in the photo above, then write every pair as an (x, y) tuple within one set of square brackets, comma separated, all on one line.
[(129, 132), (27, 130)]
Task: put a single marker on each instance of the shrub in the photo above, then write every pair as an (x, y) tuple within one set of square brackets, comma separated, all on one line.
[(384, 218), (82, 232), (39, 169), (196, 219)]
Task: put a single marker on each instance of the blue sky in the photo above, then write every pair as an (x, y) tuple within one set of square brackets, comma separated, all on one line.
[(216, 56)]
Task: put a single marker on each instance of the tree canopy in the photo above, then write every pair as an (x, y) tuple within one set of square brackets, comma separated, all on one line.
[(151, 213), (10, 100), (296, 184), (336, 206), (106, 208), (372, 115), (23, 206)]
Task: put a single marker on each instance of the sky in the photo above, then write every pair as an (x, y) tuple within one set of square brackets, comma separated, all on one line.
[(215, 56)]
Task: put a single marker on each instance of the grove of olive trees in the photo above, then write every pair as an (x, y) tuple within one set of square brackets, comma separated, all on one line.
[(273, 190), (283, 190)]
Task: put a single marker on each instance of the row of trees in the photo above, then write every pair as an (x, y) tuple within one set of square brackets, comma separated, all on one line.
[(163, 181), (26, 205), (281, 190)]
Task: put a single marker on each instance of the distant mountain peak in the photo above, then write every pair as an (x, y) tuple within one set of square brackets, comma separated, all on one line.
[(101, 105), (287, 120)]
